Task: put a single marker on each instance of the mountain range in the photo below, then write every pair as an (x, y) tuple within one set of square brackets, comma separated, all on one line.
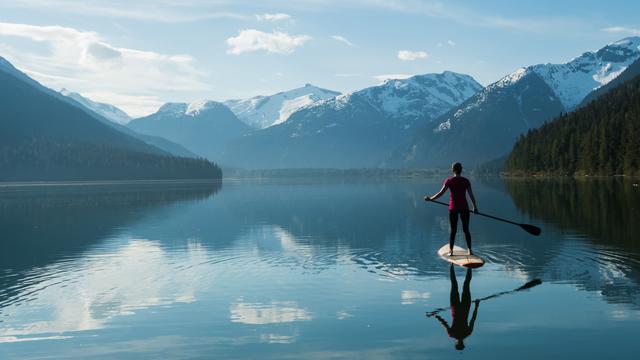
[(116, 118), (424, 121), (353, 130)]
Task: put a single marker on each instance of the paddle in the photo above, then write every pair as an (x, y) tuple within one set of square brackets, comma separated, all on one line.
[(528, 285), (533, 230)]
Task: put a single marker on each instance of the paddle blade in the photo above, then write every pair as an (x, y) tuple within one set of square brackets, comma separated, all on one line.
[(533, 230), (530, 284)]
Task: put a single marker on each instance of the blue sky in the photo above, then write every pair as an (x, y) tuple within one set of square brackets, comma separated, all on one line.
[(140, 54)]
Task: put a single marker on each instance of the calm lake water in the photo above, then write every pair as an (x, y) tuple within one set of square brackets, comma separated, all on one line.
[(315, 269)]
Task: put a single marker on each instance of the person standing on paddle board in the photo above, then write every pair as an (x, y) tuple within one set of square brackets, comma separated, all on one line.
[(458, 187)]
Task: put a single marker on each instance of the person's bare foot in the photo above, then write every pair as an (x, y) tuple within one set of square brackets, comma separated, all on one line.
[(451, 252), (470, 252)]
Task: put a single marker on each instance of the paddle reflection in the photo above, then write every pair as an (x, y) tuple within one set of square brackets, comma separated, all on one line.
[(460, 327)]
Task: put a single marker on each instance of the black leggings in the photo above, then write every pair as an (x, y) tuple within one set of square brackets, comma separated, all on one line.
[(453, 222)]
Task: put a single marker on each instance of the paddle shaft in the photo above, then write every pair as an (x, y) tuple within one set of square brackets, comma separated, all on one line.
[(528, 285), (479, 213), (534, 230)]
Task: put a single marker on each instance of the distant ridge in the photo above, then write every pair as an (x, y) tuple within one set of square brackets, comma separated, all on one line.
[(206, 127)]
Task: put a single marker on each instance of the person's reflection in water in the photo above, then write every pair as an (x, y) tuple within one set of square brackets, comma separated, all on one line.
[(460, 327)]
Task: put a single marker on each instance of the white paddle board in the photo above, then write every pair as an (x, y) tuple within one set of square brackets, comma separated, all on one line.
[(460, 257)]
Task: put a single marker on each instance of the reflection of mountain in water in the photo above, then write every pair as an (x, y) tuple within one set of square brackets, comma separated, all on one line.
[(607, 211), (44, 224)]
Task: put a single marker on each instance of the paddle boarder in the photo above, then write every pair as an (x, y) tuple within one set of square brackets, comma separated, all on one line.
[(458, 187), (460, 327)]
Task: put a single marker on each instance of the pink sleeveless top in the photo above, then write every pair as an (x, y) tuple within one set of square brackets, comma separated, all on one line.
[(457, 186)]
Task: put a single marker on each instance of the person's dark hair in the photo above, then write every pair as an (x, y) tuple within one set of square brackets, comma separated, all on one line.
[(457, 168)]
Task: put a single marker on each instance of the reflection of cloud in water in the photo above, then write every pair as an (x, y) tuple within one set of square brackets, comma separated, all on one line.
[(13, 339), (343, 314), (410, 297), (271, 313), (278, 339), (84, 294)]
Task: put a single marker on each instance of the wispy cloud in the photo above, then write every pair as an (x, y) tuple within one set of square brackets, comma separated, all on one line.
[(83, 61), (622, 30), (408, 55), (255, 40), (146, 10), (197, 10), (348, 75), (384, 77), (341, 39), (274, 17), (451, 43)]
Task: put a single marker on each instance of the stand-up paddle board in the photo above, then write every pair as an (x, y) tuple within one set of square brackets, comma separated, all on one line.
[(460, 257)]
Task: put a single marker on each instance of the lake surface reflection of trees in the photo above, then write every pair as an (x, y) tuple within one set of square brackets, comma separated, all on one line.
[(607, 211)]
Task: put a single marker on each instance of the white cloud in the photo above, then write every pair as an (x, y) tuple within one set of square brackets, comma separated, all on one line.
[(83, 61), (342, 39), (347, 75), (275, 42), (407, 55), (384, 77), (622, 30), (451, 43), (274, 17)]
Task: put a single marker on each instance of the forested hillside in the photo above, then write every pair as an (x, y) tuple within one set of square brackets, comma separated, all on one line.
[(601, 138), (45, 137)]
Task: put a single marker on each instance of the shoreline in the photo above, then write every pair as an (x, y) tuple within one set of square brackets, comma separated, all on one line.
[(71, 183)]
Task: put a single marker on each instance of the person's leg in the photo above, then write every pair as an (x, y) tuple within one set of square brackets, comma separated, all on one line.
[(466, 289), (453, 224), (465, 227), (454, 297)]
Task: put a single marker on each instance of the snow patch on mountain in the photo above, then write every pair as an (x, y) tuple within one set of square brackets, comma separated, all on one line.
[(265, 111)]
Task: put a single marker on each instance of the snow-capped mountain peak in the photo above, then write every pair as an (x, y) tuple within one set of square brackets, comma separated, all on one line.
[(417, 96), (575, 79), (191, 109), (265, 111), (108, 111), (171, 107), (196, 107)]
